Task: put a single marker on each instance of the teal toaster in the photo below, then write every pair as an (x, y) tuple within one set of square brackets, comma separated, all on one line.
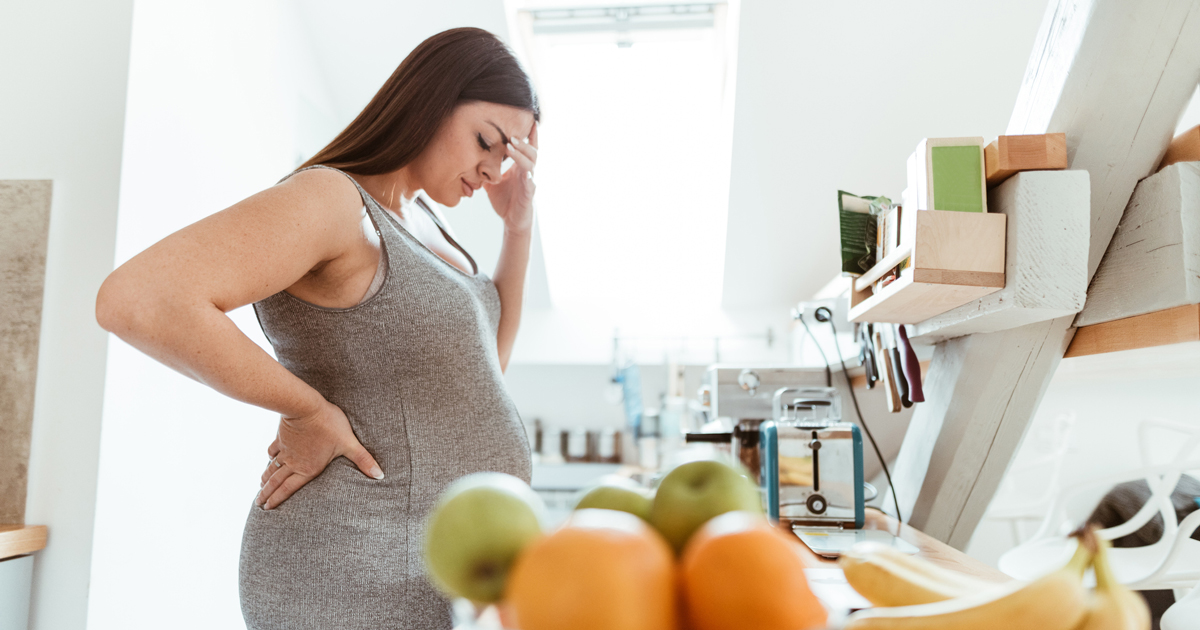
[(811, 462)]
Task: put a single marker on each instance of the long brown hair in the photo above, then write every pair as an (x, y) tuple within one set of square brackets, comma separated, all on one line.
[(454, 66)]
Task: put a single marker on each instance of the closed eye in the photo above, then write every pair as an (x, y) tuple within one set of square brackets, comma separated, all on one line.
[(482, 144)]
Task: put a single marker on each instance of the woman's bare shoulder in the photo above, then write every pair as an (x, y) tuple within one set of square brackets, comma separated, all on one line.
[(321, 189)]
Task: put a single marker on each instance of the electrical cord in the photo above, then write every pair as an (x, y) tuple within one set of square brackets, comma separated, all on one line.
[(828, 373), (828, 317)]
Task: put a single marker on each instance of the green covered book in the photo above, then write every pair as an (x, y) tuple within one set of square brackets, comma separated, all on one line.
[(859, 226)]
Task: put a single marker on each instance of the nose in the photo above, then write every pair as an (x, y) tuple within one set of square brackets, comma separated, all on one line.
[(490, 169)]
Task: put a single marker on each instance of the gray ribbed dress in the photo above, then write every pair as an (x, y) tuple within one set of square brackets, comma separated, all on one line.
[(416, 370)]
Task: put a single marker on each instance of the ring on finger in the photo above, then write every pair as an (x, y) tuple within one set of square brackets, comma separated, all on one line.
[(278, 464)]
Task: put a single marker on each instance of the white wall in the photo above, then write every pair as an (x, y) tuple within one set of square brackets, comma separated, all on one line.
[(836, 95), (576, 336), (63, 82), (224, 99), (580, 396)]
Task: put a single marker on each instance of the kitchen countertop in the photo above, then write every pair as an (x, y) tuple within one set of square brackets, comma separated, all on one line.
[(931, 549), (19, 540)]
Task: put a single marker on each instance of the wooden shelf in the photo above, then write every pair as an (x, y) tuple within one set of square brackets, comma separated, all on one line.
[(19, 540), (1160, 328), (957, 257), (864, 282)]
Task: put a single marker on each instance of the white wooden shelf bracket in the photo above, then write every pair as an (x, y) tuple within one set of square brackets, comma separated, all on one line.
[(1045, 261)]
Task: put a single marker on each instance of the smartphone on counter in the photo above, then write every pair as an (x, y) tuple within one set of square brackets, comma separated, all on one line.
[(829, 542)]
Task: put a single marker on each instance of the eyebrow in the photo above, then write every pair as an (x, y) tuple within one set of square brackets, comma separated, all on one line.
[(503, 136)]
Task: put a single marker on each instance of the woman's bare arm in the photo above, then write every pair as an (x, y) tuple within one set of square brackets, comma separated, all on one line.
[(512, 198), (509, 279), (170, 300)]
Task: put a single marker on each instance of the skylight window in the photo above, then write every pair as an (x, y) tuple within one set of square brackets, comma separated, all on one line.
[(633, 179)]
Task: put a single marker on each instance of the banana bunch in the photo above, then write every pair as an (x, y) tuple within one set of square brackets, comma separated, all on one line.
[(1111, 606), (912, 594), (886, 577)]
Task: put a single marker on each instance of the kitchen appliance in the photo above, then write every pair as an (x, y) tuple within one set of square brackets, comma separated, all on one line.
[(743, 397), (811, 461)]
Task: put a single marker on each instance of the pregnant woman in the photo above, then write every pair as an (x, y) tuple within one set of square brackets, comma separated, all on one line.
[(390, 343)]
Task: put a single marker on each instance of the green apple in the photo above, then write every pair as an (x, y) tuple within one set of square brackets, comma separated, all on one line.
[(618, 493), (475, 532), (695, 492)]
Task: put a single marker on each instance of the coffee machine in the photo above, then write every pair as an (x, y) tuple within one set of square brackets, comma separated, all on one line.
[(745, 396), (788, 434)]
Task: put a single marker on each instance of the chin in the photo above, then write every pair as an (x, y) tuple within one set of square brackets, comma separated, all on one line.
[(448, 201)]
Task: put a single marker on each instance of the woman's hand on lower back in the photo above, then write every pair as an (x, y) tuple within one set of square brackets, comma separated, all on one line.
[(303, 448)]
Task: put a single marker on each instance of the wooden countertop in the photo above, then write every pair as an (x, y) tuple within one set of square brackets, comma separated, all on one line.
[(931, 549), (19, 540)]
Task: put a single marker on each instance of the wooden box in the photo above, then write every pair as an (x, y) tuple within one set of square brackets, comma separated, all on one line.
[(956, 257), (1007, 155)]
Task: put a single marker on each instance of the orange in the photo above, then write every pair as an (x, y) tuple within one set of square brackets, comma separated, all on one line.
[(738, 572), (602, 570)]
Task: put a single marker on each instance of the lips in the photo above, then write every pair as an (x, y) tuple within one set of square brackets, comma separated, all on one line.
[(467, 189)]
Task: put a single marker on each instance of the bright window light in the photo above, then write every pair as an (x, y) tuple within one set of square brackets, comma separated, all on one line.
[(633, 178)]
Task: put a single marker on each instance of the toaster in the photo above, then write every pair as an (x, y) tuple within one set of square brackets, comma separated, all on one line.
[(811, 462)]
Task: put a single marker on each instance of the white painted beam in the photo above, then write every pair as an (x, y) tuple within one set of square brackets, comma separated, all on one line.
[(1045, 261), (981, 391), (1153, 261), (1114, 75)]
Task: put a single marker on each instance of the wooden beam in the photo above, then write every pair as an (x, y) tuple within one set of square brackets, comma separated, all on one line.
[(982, 390), (1009, 155), (19, 540), (1153, 261), (1045, 259), (1114, 75), (1161, 328), (1141, 58)]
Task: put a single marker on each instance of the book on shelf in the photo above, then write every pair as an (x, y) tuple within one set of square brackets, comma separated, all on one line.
[(859, 222), (859, 231), (948, 174)]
